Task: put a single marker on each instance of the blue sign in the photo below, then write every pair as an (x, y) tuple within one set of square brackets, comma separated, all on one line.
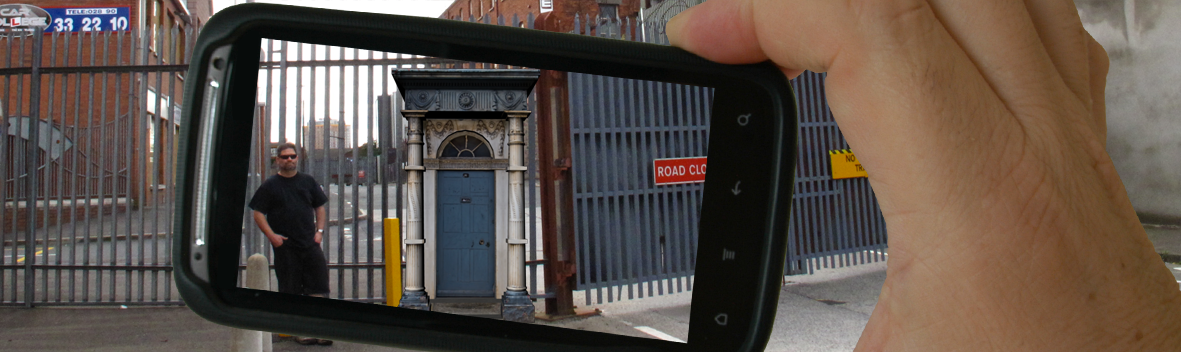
[(88, 19)]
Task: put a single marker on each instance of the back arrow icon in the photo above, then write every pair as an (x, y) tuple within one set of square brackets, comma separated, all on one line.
[(736, 190)]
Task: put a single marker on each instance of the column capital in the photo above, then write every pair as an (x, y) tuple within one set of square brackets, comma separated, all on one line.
[(521, 114), (413, 113)]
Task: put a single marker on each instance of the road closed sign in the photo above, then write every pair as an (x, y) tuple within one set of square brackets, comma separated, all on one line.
[(677, 171)]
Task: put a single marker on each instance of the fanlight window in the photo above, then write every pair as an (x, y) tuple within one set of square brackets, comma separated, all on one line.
[(466, 146)]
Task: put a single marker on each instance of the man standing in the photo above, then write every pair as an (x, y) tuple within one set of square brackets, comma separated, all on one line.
[(289, 209)]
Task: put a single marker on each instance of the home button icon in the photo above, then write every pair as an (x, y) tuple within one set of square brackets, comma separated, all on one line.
[(721, 319)]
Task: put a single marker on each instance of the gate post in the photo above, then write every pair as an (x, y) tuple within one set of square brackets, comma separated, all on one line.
[(553, 160)]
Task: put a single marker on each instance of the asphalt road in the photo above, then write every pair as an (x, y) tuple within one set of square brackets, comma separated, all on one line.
[(804, 321)]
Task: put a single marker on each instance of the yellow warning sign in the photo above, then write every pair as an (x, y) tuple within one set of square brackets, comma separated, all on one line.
[(845, 164)]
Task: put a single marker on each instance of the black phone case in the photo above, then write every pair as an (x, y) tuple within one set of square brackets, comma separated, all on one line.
[(755, 224)]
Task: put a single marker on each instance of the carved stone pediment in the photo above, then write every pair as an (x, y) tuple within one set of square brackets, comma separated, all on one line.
[(436, 132), (467, 100), (466, 90)]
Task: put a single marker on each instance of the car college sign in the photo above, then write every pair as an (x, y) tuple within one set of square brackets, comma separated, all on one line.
[(23, 19)]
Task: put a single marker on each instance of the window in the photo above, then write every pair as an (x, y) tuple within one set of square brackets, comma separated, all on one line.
[(466, 146)]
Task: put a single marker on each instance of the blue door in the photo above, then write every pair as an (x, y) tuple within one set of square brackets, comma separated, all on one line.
[(466, 254)]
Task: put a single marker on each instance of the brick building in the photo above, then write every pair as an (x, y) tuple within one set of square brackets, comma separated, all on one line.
[(103, 94), (565, 10)]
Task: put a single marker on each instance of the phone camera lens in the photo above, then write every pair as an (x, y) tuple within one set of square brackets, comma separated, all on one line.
[(218, 63)]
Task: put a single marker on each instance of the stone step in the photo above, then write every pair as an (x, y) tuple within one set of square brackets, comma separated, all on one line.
[(483, 307)]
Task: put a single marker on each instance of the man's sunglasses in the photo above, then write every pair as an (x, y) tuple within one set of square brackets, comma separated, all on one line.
[(288, 157)]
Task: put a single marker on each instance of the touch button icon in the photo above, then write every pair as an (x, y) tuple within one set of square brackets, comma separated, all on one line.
[(743, 119), (722, 319)]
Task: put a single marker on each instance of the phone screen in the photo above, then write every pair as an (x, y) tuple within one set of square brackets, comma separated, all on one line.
[(471, 158)]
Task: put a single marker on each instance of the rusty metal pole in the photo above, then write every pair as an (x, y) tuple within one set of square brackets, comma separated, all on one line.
[(557, 216)]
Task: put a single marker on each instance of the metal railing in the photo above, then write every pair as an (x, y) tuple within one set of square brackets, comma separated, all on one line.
[(90, 125)]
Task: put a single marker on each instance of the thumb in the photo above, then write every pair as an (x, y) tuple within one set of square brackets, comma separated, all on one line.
[(721, 31)]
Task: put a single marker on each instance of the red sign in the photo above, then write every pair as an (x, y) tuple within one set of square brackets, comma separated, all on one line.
[(678, 171)]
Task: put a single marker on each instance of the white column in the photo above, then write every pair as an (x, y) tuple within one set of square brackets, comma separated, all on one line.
[(414, 296), (516, 194), (515, 302)]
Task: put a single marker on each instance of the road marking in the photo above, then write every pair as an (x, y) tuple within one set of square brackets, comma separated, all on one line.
[(658, 334), (22, 259), (1177, 268)]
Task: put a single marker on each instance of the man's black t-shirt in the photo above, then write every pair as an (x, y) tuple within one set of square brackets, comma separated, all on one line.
[(290, 206)]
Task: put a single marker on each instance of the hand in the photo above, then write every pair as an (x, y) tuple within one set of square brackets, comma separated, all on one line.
[(982, 127), (277, 240), (319, 236)]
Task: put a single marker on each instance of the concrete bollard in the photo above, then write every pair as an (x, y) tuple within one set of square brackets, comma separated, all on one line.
[(258, 277)]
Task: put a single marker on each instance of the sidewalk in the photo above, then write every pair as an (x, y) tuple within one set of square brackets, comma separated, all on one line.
[(825, 311), (1167, 240)]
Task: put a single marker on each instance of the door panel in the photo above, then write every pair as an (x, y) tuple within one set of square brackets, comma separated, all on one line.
[(466, 257)]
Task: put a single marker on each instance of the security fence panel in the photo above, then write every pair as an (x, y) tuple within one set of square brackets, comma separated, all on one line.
[(90, 120), (633, 235), (834, 222)]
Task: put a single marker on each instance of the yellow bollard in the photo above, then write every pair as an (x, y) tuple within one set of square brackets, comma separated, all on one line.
[(393, 261)]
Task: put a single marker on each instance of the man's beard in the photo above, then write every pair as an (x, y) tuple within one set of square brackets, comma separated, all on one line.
[(287, 167)]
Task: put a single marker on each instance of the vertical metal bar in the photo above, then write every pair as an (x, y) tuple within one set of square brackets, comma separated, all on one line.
[(666, 208), (4, 169), (102, 125), (625, 206), (610, 96), (136, 108), (579, 177), (642, 223), (652, 197), (370, 154), (605, 141), (532, 201), (356, 180), (599, 198), (163, 160), (660, 202), (815, 163), (61, 201), (73, 186), (653, 210), (698, 117), (32, 161), (282, 90), (683, 147), (140, 172), (339, 138), (18, 186), (633, 187), (314, 136)]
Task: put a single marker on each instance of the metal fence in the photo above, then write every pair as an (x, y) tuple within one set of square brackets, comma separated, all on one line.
[(834, 223), (341, 107), (89, 126), (634, 236)]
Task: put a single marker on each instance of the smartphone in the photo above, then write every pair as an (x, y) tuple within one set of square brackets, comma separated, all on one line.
[(464, 117)]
